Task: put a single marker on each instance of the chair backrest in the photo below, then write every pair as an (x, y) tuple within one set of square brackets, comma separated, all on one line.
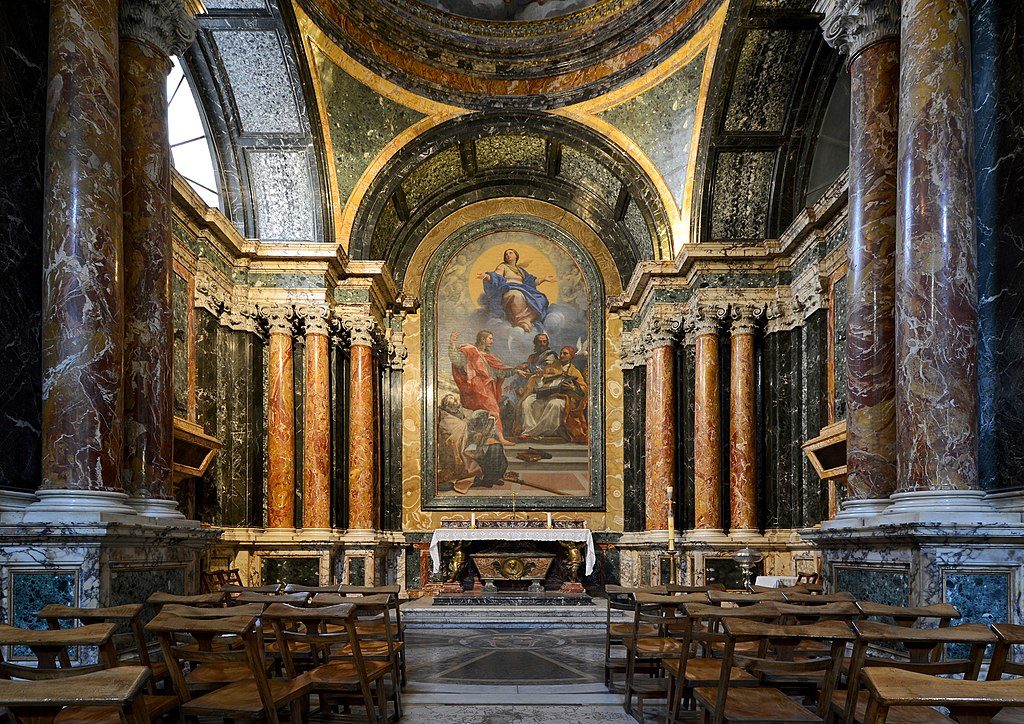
[(920, 645), (268, 588), (130, 642), (1009, 635), (347, 590), (297, 599), (908, 616), (119, 687), (296, 629), (673, 588), (754, 588), (744, 599), (205, 600), (50, 648), (243, 609), (794, 613), (777, 654), (299, 588), (805, 577), (247, 629), (816, 599)]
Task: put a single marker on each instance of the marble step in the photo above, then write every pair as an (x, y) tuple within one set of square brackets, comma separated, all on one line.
[(422, 614), (563, 695)]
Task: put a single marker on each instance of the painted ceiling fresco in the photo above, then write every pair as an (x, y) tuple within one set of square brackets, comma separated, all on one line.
[(510, 9)]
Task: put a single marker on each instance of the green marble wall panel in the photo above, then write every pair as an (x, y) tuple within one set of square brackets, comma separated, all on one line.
[(764, 79), (661, 121), (509, 150), (980, 597), (387, 224), (303, 571), (589, 173), (180, 303), (30, 592), (743, 182), (436, 172), (361, 122), (636, 225)]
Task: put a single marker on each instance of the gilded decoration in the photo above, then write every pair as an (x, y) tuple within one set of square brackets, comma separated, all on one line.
[(513, 399)]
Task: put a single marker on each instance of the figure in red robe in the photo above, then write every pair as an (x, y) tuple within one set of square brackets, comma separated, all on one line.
[(479, 375)]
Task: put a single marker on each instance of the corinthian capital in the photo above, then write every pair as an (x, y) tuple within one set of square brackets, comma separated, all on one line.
[(280, 320), (362, 329), (162, 23), (315, 318), (662, 331), (852, 25), (706, 319), (397, 351), (744, 317)]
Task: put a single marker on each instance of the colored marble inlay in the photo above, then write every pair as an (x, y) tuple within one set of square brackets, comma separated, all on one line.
[(302, 571), (660, 455), (742, 439), (357, 571), (362, 440), (316, 439), (873, 584), (180, 311), (980, 598), (136, 585), (281, 435), (707, 442), (870, 288), (31, 591)]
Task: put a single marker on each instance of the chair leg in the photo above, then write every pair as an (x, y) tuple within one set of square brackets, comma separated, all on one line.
[(627, 702)]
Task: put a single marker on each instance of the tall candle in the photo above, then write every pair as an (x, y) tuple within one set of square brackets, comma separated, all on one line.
[(472, 520), (549, 520), (671, 520)]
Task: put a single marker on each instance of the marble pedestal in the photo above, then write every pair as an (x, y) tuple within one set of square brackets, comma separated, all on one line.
[(95, 564), (977, 568)]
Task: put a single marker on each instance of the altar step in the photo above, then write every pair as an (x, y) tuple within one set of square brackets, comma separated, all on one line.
[(422, 613)]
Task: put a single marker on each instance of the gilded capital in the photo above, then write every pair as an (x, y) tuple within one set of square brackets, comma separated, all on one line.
[(161, 23), (279, 320), (315, 317), (850, 26)]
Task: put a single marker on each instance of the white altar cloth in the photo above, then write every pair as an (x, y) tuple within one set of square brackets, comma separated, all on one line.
[(577, 535)]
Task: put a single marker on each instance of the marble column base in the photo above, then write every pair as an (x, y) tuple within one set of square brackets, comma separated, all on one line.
[(156, 508), (746, 534), (944, 507), (1010, 501), (15, 501), (706, 535), (79, 506), (854, 513)]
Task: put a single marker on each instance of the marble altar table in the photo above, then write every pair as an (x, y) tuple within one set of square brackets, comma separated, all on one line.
[(549, 535)]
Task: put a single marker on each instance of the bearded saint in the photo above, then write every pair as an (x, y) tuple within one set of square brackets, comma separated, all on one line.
[(479, 375)]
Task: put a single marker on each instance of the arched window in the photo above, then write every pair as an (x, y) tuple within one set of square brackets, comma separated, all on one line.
[(191, 151)]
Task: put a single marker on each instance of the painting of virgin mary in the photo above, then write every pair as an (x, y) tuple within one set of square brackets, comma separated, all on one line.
[(510, 291)]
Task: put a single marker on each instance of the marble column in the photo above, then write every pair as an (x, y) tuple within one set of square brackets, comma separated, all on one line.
[(868, 31), (707, 435), (742, 425), (151, 31), (316, 440), (83, 277), (660, 423), (362, 442), (280, 421), (936, 277)]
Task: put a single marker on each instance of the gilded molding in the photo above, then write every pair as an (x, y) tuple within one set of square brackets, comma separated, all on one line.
[(850, 26), (162, 23)]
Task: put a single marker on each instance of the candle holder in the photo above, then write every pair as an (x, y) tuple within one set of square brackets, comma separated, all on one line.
[(747, 558), (668, 568)]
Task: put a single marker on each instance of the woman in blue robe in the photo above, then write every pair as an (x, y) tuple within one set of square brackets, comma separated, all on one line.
[(511, 292)]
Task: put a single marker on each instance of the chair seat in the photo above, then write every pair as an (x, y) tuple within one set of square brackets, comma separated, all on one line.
[(626, 629), (243, 699), (756, 704), (897, 714), (1010, 715), (708, 672), (156, 706), (372, 649), (655, 646), (343, 674), (206, 675)]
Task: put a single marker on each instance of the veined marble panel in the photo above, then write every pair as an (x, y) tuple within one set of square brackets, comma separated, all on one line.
[(31, 590), (743, 181), (283, 188), (291, 569), (260, 83), (764, 80), (507, 149)]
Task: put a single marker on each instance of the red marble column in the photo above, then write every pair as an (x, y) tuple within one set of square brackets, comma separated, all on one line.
[(660, 449), (742, 426), (362, 493), (281, 422), (316, 448), (150, 32), (868, 30), (83, 282), (707, 436), (936, 277)]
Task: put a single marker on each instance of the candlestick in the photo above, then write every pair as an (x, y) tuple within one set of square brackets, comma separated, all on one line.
[(549, 520), (671, 520), (472, 520)]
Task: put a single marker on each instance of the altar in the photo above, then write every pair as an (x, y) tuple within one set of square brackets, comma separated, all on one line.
[(519, 565)]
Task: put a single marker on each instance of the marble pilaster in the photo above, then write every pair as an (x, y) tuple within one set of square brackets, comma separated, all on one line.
[(151, 31), (316, 441), (742, 424), (707, 433), (868, 30), (936, 278), (660, 447), (280, 422), (362, 511), (83, 287)]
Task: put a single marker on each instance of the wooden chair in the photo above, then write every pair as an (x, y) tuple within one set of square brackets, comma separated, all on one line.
[(969, 702), (112, 695), (659, 632), (817, 599), (53, 662), (621, 599), (754, 588), (920, 645), (672, 588), (255, 696), (745, 599), (298, 588), (234, 589), (130, 645), (203, 600), (242, 609), (296, 599), (395, 618), (766, 703), (314, 633), (941, 614)]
